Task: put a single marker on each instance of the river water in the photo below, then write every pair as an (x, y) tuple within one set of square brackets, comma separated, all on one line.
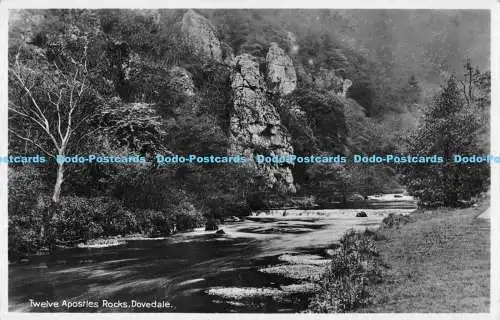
[(261, 264)]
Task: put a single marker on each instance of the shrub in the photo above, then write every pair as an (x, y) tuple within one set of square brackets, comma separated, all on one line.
[(375, 235), (80, 219), (395, 221), (75, 220), (212, 224), (186, 216), (343, 285), (24, 236), (156, 223), (306, 203), (119, 221), (25, 185)]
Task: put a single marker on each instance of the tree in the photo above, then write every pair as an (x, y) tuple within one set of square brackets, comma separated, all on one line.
[(52, 104), (411, 91), (452, 125), (57, 115)]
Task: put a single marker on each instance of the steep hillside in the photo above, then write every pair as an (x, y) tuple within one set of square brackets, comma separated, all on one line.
[(250, 82)]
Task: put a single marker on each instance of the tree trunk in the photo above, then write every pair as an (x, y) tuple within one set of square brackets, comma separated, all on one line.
[(49, 213), (56, 196)]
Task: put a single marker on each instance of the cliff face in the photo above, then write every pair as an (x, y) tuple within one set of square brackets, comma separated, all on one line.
[(255, 125), (201, 35)]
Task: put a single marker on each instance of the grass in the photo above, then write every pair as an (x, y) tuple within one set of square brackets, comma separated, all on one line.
[(438, 262)]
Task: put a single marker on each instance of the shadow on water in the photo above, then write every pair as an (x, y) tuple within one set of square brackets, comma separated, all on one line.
[(175, 271)]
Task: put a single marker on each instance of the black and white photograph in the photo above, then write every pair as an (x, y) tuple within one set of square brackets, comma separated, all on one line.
[(248, 160)]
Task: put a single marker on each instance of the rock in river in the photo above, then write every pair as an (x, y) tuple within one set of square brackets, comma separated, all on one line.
[(361, 214)]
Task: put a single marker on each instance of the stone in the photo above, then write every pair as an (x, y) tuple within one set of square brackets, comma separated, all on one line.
[(330, 252), (361, 214), (201, 35), (280, 70), (255, 124)]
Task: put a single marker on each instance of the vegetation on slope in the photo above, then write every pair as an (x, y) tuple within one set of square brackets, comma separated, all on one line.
[(434, 260)]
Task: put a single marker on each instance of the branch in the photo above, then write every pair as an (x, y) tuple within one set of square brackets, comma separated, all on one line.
[(31, 141), (27, 116), (465, 91), (57, 105), (39, 112)]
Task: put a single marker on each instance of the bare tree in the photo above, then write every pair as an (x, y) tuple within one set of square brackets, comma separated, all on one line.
[(56, 116)]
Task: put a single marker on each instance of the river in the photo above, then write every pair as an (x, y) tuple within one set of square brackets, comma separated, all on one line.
[(264, 263)]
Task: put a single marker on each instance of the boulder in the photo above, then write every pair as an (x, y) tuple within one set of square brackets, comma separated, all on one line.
[(361, 214), (220, 232), (331, 252), (280, 70)]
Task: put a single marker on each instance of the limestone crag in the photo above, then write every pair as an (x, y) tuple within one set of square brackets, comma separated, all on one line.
[(345, 86), (255, 124), (326, 79), (280, 71), (201, 35)]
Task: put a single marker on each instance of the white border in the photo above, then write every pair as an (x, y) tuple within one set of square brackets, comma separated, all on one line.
[(344, 4)]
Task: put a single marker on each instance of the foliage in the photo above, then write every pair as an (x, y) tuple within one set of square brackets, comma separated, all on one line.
[(24, 234), (79, 219), (25, 186), (452, 125), (155, 223), (325, 117), (395, 221), (343, 285)]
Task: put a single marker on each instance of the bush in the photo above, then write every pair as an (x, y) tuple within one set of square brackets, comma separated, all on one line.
[(375, 235), (25, 186), (79, 219), (75, 220), (305, 203), (24, 236), (119, 221), (343, 285), (187, 217), (156, 223), (395, 221), (212, 224)]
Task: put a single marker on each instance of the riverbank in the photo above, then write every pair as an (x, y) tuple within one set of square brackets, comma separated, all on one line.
[(439, 262)]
